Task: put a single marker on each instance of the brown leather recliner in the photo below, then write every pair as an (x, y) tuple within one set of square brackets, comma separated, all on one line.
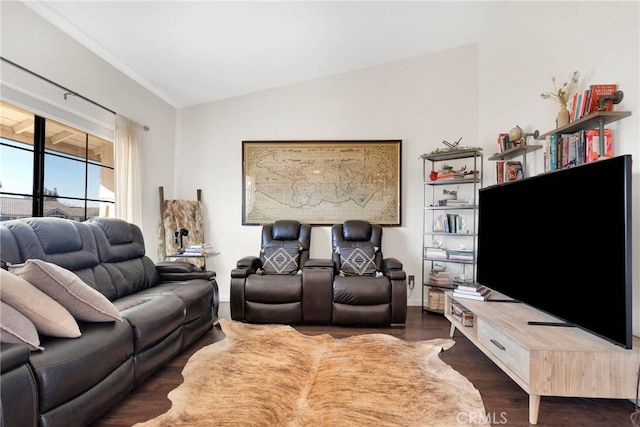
[(368, 289), (282, 285)]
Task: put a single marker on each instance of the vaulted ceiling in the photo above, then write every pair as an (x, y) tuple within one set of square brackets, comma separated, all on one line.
[(192, 52)]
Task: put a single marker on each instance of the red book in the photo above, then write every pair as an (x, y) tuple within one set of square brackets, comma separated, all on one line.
[(574, 107), (598, 91), (593, 144)]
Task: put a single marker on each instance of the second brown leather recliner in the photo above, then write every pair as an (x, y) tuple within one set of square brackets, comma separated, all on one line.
[(368, 289)]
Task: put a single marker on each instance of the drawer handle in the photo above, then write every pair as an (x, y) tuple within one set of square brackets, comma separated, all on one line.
[(497, 344)]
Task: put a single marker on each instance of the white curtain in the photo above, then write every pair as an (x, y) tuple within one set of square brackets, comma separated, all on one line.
[(128, 165)]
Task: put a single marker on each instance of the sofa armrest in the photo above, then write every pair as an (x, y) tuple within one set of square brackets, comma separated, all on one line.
[(392, 268), (174, 271), (246, 266), (12, 356), (175, 267), (250, 262), (18, 389), (318, 262)]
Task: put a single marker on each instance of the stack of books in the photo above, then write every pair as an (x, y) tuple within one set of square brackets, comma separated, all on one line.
[(197, 250), (438, 253), (463, 315), (460, 254), (440, 278), (453, 202), (471, 290)]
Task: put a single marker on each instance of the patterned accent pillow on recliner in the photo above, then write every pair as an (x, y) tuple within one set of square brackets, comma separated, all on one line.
[(281, 259), (358, 261)]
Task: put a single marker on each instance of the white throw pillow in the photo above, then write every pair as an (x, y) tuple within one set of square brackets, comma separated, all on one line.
[(49, 317), (16, 328), (64, 286)]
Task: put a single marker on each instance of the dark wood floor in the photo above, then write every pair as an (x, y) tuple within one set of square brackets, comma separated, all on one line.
[(504, 401)]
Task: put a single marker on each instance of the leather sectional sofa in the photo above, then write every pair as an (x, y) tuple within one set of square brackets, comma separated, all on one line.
[(164, 307)]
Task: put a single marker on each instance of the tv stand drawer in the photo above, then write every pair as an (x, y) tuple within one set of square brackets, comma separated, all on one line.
[(515, 357)]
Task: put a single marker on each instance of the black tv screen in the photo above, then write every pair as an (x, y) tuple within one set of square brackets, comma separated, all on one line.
[(561, 242)]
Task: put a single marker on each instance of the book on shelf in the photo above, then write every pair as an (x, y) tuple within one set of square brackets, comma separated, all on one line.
[(439, 275), (449, 223), (566, 150), (464, 280), (466, 284), (574, 107), (598, 91), (546, 153), (463, 315), (584, 102), (592, 142), (481, 291), (465, 295), (459, 254), (501, 137), (499, 171), (508, 171), (432, 252), (553, 147), (456, 202), (197, 249), (440, 282), (513, 171)]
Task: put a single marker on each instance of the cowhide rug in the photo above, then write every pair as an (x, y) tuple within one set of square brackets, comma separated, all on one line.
[(272, 375)]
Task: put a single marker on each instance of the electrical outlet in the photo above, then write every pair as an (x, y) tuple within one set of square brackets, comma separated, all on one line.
[(412, 280)]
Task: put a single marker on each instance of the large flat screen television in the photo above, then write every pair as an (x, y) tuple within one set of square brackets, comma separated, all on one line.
[(561, 242)]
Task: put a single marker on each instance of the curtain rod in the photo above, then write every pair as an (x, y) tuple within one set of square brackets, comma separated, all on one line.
[(68, 91)]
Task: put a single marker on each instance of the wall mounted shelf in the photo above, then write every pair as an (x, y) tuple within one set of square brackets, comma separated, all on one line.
[(594, 120)]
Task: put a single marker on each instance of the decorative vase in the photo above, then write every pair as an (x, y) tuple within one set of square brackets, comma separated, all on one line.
[(563, 116)]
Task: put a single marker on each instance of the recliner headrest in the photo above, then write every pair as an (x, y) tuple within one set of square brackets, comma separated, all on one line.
[(286, 230), (118, 232), (356, 229)]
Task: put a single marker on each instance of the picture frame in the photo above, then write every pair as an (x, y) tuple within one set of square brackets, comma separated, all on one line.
[(322, 182), (507, 144), (503, 138)]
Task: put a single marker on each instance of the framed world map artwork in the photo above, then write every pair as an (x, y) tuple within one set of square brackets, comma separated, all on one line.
[(321, 182)]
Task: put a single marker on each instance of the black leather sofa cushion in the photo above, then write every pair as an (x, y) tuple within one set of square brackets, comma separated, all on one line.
[(344, 314), (273, 289), (46, 241), (69, 367), (151, 316), (85, 408), (196, 295), (274, 313), (361, 290)]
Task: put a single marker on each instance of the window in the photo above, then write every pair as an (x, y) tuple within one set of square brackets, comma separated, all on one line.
[(50, 169)]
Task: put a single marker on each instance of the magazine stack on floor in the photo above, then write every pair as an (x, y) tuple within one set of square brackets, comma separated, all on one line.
[(471, 290)]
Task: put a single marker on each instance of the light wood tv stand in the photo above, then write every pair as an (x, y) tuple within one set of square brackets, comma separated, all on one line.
[(547, 360)]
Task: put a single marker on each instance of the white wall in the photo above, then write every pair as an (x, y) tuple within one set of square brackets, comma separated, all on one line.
[(421, 101), (474, 92), (33, 43)]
